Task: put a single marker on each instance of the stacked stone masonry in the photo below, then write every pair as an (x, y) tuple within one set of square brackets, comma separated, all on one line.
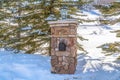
[(63, 62)]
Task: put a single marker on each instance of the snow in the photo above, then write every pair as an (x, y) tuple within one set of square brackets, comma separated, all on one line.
[(88, 15), (92, 12), (95, 40), (92, 66), (114, 17), (37, 67), (116, 26)]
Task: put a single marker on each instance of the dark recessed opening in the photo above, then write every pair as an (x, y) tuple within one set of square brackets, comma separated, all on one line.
[(62, 46)]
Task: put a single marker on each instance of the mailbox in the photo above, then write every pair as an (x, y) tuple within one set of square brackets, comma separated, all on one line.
[(63, 46)]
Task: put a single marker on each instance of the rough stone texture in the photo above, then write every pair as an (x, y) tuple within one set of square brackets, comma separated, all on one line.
[(60, 58), (72, 68), (63, 62), (54, 61)]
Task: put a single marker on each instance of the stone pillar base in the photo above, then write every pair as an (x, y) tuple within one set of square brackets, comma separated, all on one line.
[(63, 64)]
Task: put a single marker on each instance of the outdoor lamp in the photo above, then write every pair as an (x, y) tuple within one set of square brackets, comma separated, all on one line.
[(64, 12)]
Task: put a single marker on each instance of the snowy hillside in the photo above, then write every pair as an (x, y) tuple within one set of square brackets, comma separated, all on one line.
[(93, 66)]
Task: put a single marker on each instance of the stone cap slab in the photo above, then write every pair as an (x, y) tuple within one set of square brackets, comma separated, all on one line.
[(62, 23)]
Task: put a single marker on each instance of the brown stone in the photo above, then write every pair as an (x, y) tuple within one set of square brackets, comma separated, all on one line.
[(60, 62), (73, 31), (54, 62), (72, 68), (54, 57), (73, 52), (62, 71), (72, 60), (63, 62), (66, 67), (60, 58), (62, 31), (68, 49), (58, 68), (62, 53), (66, 59), (52, 52), (53, 43)]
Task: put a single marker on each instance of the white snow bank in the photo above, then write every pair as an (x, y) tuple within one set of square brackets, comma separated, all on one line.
[(37, 67)]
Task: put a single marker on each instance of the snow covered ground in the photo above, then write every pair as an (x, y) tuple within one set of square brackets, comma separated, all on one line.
[(93, 66)]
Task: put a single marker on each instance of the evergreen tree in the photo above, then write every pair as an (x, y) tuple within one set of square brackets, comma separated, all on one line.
[(23, 25), (108, 11), (112, 9)]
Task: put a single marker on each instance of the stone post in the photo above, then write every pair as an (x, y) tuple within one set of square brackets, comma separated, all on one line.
[(63, 46)]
